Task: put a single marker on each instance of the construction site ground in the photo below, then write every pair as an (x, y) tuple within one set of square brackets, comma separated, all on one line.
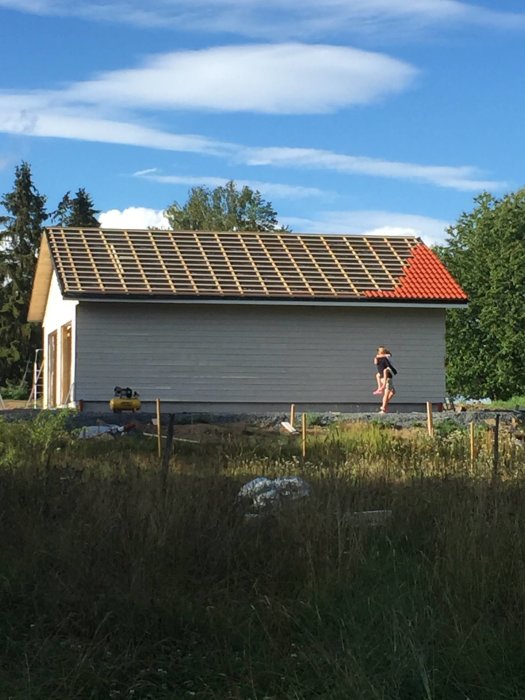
[(197, 426)]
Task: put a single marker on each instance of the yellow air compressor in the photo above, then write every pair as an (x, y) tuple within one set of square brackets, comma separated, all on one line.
[(124, 399)]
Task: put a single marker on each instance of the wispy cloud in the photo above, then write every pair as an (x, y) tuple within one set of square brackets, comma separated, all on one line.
[(463, 177), (269, 189), (280, 78), (42, 121), (286, 78), (37, 117), (291, 18), (144, 173), (380, 223)]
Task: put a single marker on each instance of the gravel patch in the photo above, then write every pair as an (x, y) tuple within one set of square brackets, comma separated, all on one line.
[(402, 420)]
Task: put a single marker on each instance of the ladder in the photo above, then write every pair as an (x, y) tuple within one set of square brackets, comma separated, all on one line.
[(37, 387)]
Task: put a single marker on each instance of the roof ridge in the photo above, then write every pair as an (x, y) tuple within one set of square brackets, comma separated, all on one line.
[(312, 234)]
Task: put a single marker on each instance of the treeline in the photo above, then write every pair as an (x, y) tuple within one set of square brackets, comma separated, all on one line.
[(20, 232)]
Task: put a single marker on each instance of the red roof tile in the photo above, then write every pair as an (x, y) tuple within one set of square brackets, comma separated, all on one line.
[(425, 277)]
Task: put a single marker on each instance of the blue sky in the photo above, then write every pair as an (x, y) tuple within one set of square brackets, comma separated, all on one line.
[(376, 116)]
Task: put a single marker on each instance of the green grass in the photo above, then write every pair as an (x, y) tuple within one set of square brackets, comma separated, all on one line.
[(514, 403), (111, 587)]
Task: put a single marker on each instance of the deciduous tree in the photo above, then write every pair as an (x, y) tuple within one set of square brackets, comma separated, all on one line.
[(224, 208), (485, 251)]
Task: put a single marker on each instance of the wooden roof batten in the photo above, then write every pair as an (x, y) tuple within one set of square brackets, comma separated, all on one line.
[(244, 266)]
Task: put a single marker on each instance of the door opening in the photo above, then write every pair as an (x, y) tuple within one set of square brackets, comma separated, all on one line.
[(52, 369), (65, 385)]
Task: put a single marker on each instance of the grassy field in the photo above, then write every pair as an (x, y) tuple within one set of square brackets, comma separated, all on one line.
[(117, 584)]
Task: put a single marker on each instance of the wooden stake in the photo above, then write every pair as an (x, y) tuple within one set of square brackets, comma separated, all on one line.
[(292, 414), (430, 420), (168, 447), (303, 427), (472, 443), (495, 454), (159, 435)]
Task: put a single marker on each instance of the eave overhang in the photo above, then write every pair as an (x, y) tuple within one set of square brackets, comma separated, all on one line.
[(41, 283), (295, 301)]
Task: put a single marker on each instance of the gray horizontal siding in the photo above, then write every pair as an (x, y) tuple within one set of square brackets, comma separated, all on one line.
[(256, 354)]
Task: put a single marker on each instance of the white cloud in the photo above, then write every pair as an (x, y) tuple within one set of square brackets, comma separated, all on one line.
[(62, 115), (379, 223), (51, 122), (268, 189), (146, 172), (36, 116), (265, 78), (464, 177), (283, 18), (133, 218), (289, 78)]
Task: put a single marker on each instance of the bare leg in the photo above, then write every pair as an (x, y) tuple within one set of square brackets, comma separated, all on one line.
[(380, 384), (387, 395)]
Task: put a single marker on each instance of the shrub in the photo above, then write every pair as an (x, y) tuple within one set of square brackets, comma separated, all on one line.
[(16, 392), (31, 442)]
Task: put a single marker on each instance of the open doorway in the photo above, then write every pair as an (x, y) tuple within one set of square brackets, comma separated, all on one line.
[(52, 369), (65, 385)]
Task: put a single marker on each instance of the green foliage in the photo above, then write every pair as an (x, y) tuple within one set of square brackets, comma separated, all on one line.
[(515, 402), (17, 391), (19, 242), (33, 442), (224, 208), (78, 211), (49, 430), (485, 251), (447, 427)]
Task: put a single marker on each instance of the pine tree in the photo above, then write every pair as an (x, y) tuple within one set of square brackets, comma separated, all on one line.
[(19, 243), (76, 211)]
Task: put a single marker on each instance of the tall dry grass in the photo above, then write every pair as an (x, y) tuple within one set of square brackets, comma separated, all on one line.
[(113, 588)]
